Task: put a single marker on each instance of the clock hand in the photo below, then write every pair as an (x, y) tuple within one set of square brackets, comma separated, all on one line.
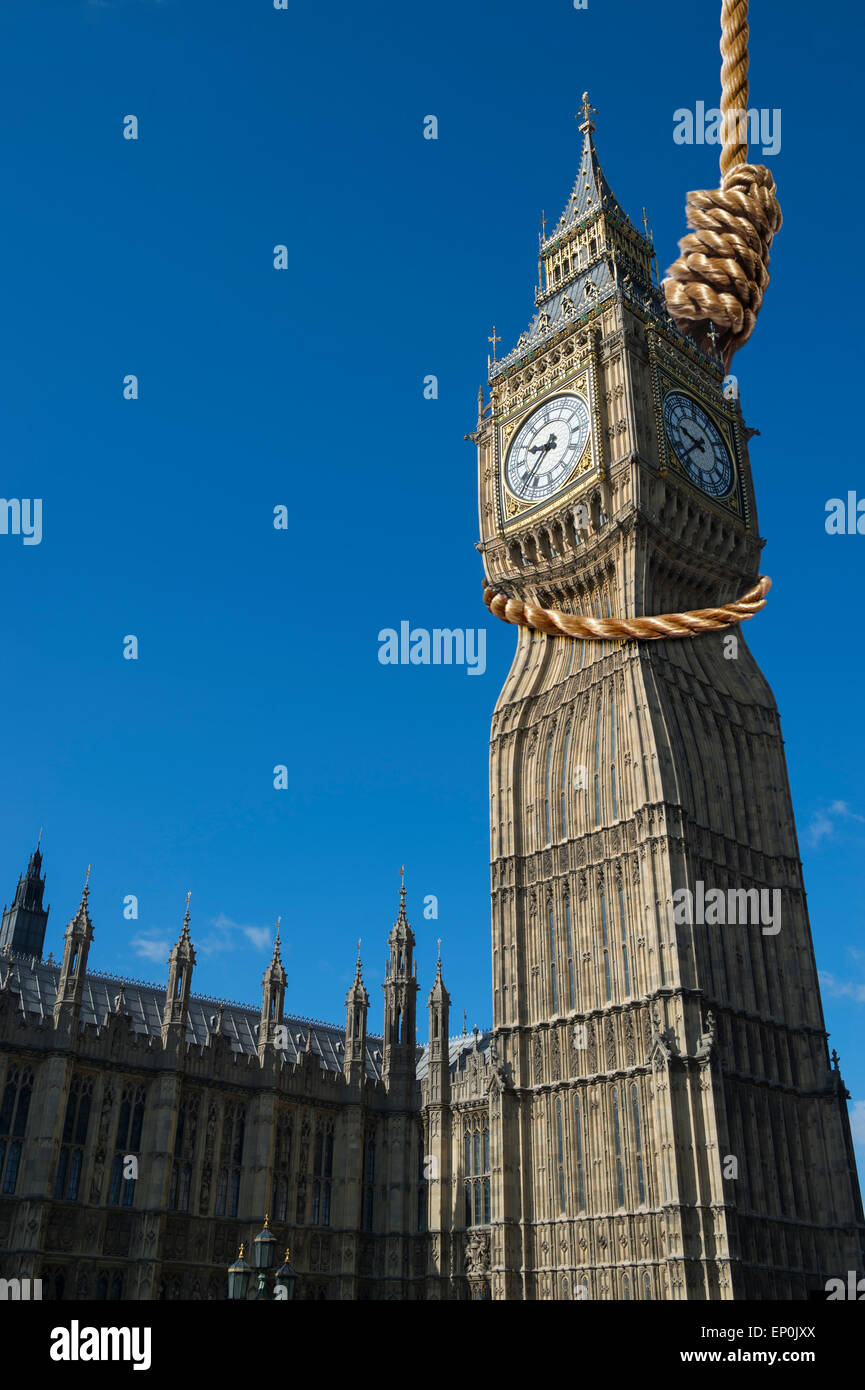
[(698, 444), (541, 449)]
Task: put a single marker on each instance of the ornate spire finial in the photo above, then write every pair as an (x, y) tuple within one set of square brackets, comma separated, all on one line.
[(186, 914), (494, 338), (645, 221), (588, 110), (276, 959), (402, 890), (439, 945), (85, 894), (39, 841)]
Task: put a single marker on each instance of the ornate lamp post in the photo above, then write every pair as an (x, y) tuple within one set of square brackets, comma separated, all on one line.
[(264, 1254)]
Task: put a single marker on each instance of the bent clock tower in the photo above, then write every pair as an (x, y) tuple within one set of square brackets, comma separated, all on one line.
[(665, 1121)]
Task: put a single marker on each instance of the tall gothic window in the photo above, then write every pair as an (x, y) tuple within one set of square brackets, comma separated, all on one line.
[(565, 782), (613, 755), (570, 950), (638, 1143), (184, 1153), (368, 1182), (554, 988), (560, 1142), (476, 1149), (421, 1189), (578, 1136), (127, 1142), (647, 1287), (547, 810), (626, 1287), (14, 1109), (605, 929), (598, 768), (322, 1176), (74, 1138), (282, 1159), (625, 963), (617, 1137), (230, 1159)]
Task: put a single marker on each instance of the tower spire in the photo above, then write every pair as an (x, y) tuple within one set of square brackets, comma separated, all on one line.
[(577, 255), (22, 927), (356, 1008), (272, 997), (76, 948), (180, 963), (400, 991)]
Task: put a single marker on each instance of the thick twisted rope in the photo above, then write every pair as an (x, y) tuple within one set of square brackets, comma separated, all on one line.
[(723, 269), (556, 624)]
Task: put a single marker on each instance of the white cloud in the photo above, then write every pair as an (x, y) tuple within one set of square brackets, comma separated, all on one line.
[(152, 948), (842, 989), (225, 934), (220, 934), (824, 822), (260, 937)]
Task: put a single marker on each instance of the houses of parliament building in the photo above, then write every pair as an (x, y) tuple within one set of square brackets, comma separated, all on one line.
[(654, 1114)]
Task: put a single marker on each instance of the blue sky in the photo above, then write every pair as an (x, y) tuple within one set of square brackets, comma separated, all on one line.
[(304, 388)]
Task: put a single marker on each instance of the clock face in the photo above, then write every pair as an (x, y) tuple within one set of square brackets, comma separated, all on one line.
[(698, 444), (546, 448)]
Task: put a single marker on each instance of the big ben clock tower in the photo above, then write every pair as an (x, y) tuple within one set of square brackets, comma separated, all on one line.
[(666, 1122)]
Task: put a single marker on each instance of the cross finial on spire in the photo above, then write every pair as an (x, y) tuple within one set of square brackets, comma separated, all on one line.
[(542, 235), (645, 221), (494, 338), (588, 110), (439, 945), (186, 915), (278, 920), (713, 335), (465, 1029)]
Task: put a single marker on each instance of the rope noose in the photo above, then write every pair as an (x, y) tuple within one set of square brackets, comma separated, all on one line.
[(719, 280), (723, 270)]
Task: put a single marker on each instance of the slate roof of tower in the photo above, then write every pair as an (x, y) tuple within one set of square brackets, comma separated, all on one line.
[(590, 194)]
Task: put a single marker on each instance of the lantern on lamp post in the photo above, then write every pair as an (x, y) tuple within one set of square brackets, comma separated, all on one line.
[(238, 1277)]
